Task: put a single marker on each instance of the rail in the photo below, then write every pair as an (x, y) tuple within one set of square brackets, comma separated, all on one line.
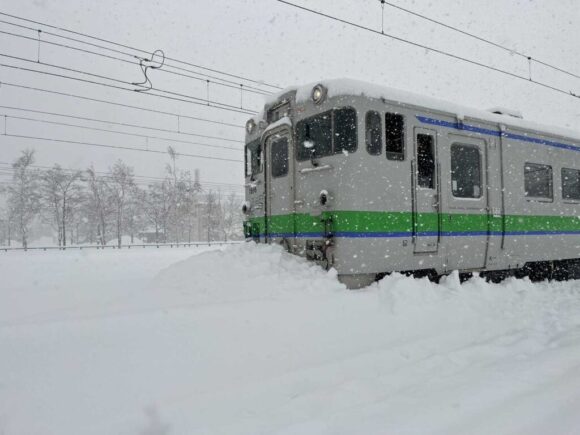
[(144, 245)]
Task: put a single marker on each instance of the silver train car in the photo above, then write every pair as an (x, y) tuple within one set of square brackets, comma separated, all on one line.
[(371, 180)]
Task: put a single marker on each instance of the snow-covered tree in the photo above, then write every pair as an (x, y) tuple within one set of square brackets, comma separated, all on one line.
[(99, 208), (61, 194), (120, 187), (23, 195)]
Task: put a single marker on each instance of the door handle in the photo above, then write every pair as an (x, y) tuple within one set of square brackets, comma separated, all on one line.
[(435, 200)]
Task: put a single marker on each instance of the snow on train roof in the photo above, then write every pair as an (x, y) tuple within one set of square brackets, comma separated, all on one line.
[(338, 87)]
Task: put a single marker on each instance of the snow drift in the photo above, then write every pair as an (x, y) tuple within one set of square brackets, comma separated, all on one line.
[(251, 340)]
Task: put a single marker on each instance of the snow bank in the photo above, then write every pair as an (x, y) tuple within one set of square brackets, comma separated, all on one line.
[(246, 271), (251, 340)]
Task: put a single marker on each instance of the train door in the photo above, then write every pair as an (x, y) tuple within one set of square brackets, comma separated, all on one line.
[(279, 176), (466, 198), (426, 201)]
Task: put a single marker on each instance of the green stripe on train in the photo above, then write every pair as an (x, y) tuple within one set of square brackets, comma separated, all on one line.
[(400, 222)]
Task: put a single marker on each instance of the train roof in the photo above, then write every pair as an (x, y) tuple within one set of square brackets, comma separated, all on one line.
[(338, 87)]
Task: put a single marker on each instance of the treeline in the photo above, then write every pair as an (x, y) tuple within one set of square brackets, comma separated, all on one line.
[(97, 208)]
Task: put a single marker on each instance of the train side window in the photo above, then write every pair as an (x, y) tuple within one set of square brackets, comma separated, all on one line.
[(538, 181), (374, 133), (395, 136), (425, 161), (279, 151), (344, 130), (570, 184), (314, 136), (465, 171)]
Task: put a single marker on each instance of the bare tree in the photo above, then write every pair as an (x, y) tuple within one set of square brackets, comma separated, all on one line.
[(23, 196), (121, 185), (231, 217), (213, 214), (156, 205), (61, 193), (98, 203)]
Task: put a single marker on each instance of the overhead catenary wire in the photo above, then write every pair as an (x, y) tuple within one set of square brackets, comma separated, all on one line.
[(91, 144), (114, 103), (205, 75), (117, 44), (227, 84), (84, 127), (426, 47), (482, 39), (143, 180), (171, 95), (125, 124), (8, 169)]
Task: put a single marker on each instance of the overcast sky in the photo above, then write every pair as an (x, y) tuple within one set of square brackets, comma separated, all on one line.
[(268, 41)]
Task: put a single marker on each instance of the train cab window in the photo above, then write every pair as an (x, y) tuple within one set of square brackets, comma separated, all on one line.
[(279, 150), (465, 171), (374, 133), (331, 132), (395, 136), (344, 130), (248, 162), (538, 181), (314, 136), (425, 161), (253, 158), (570, 184)]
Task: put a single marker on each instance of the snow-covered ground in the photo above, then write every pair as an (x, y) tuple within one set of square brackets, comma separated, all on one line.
[(249, 340)]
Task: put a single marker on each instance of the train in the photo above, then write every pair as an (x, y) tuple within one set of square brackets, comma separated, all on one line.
[(371, 180)]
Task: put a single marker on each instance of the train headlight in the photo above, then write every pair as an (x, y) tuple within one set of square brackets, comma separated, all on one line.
[(250, 126), (318, 94), (246, 207)]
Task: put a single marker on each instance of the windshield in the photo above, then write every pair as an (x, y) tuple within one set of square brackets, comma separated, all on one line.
[(253, 158)]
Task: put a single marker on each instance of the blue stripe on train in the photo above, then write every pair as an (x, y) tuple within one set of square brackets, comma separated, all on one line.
[(496, 133)]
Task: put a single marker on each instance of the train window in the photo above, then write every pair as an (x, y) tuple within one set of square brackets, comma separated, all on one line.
[(248, 161), (279, 151), (395, 136), (314, 136), (465, 171), (253, 158), (570, 183), (538, 181), (374, 133), (425, 161), (344, 130)]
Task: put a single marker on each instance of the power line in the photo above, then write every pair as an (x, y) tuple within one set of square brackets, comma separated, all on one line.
[(133, 56), (118, 132), (113, 103), (479, 38), (261, 83), (227, 84), (227, 187), (434, 50), (178, 96), (107, 173), (121, 88), (124, 124), (145, 150)]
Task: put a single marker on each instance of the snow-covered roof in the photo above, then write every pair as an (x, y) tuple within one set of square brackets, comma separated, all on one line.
[(337, 87)]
